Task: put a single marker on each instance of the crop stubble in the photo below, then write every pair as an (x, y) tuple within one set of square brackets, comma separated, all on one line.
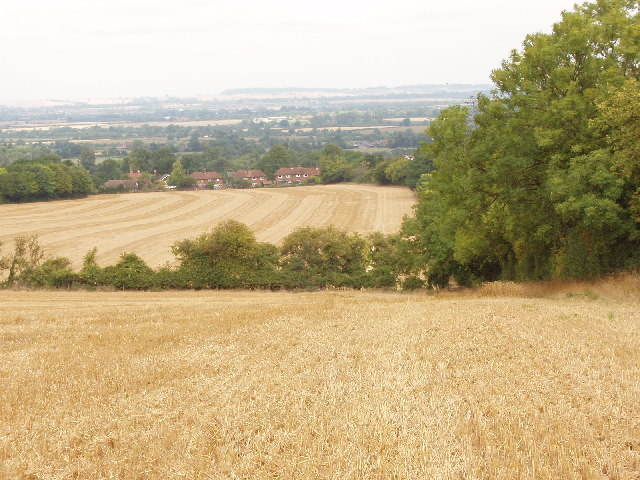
[(317, 385), (149, 223)]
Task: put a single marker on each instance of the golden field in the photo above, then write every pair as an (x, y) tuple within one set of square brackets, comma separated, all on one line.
[(149, 223), (328, 385)]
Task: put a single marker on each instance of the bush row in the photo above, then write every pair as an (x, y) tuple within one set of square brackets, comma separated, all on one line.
[(230, 257)]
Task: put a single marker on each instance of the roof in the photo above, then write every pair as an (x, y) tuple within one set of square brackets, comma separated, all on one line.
[(206, 175), (309, 171), (126, 183), (248, 174)]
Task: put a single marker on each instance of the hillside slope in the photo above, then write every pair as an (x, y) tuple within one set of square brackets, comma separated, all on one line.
[(149, 223)]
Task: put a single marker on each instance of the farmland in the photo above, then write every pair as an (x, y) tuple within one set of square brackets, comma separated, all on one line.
[(149, 223), (320, 385)]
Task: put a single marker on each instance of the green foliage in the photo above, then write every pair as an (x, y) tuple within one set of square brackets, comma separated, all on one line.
[(412, 283), (131, 273), (161, 160), (227, 257), (91, 271), (139, 159), (318, 257), (314, 181), (379, 173), (52, 273), (543, 181), (81, 181), (618, 122), (43, 178), (240, 183), (385, 258), (396, 171), (26, 266), (179, 177), (194, 144), (334, 166), (278, 156), (87, 158), (421, 164), (63, 180), (108, 169), (403, 170), (25, 259)]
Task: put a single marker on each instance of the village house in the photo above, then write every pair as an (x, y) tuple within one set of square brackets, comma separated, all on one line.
[(257, 177), (295, 175), (208, 180), (134, 175), (127, 185)]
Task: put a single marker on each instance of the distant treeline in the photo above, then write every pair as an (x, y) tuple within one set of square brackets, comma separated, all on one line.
[(229, 257), (44, 178), (290, 128), (50, 177)]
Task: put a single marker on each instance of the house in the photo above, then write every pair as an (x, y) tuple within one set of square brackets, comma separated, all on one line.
[(295, 175), (126, 185), (134, 175), (208, 179), (257, 177)]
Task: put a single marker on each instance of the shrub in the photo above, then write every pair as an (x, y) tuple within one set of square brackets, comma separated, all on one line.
[(131, 272), (54, 272), (412, 283), (91, 271), (24, 261), (227, 257), (318, 257)]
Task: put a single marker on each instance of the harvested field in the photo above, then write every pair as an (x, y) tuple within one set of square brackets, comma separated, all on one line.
[(341, 385), (149, 223)]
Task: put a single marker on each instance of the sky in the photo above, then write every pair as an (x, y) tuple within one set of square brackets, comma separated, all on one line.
[(88, 49)]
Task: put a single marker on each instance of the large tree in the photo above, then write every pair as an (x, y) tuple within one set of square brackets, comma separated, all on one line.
[(541, 182), (179, 177), (278, 156), (88, 158)]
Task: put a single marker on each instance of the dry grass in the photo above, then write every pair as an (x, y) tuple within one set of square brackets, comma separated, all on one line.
[(623, 286), (149, 223), (340, 385)]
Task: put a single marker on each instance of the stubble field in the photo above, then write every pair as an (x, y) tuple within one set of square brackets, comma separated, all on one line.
[(335, 385), (149, 223)]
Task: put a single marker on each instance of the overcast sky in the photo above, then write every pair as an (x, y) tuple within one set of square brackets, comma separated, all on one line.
[(79, 49)]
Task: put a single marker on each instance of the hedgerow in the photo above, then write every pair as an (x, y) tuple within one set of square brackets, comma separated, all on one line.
[(227, 257)]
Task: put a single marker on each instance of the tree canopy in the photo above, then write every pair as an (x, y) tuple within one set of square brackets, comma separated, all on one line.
[(43, 178), (542, 182)]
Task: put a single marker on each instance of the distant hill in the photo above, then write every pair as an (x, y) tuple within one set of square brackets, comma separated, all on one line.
[(426, 89)]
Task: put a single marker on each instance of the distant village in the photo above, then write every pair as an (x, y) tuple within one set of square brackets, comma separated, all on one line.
[(288, 176)]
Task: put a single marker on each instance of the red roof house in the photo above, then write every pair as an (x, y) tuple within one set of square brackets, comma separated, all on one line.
[(295, 175), (208, 179), (256, 177), (134, 175), (127, 184)]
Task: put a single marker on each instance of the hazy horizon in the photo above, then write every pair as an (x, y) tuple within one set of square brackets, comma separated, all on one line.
[(73, 50)]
